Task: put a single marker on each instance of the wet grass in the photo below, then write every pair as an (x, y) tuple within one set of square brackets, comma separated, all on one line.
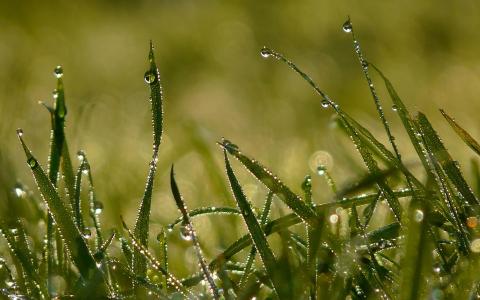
[(390, 234)]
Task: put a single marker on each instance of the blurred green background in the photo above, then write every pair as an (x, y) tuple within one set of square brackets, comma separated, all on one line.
[(216, 84)]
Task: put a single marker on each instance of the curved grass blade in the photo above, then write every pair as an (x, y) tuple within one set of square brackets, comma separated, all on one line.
[(192, 235), (367, 157), (462, 133), (272, 182), (254, 229), (72, 237), (141, 229), (171, 280), (202, 211)]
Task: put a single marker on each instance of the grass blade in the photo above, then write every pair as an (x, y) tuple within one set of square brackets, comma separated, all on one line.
[(255, 231), (192, 235), (141, 229), (462, 133), (272, 182)]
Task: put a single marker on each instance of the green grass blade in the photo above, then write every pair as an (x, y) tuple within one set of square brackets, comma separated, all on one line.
[(205, 211), (255, 230), (192, 235), (362, 148), (72, 237), (141, 229), (451, 168), (163, 240), (272, 182), (462, 133), (77, 207)]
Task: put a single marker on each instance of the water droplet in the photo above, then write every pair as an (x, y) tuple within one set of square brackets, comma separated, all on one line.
[(58, 71), (86, 169), (87, 233), (19, 192), (80, 155), (347, 26), (98, 207), (472, 222), (55, 94), (333, 218), (170, 228), (32, 162), (325, 103), (150, 77), (475, 246), (321, 170), (186, 233), (19, 132), (307, 183), (394, 107), (418, 217), (265, 52)]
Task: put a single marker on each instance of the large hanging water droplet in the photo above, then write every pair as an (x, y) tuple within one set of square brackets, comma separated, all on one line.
[(418, 216), (32, 162), (19, 192), (97, 207), (265, 52), (58, 71), (325, 103), (150, 77), (347, 26), (87, 233), (321, 170), (186, 232), (394, 107), (80, 155), (333, 219), (19, 132)]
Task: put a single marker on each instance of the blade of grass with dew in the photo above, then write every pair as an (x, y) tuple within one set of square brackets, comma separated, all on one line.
[(205, 211), (172, 280), (77, 207), (163, 240), (141, 229), (272, 182), (72, 237), (255, 230), (253, 251), (18, 245), (370, 163), (451, 168), (192, 235), (462, 133), (96, 206)]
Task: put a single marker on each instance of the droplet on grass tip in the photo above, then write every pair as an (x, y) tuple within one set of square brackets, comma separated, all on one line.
[(80, 155), (98, 207), (347, 26), (321, 169), (58, 71), (265, 52), (325, 103), (150, 77), (185, 233), (19, 132), (19, 192)]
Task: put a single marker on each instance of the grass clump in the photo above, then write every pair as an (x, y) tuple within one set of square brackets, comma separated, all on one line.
[(426, 247)]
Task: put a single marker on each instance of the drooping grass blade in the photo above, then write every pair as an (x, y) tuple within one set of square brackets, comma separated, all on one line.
[(141, 229), (191, 234), (254, 229), (272, 182), (72, 237)]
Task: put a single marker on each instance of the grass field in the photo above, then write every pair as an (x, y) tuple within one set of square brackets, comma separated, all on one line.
[(341, 196)]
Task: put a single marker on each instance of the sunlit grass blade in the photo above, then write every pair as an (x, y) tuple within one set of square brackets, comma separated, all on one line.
[(77, 207), (367, 157), (191, 234), (255, 230), (141, 229), (451, 167), (19, 249), (206, 211), (253, 251), (171, 280), (462, 133), (72, 237), (96, 207), (163, 240), (272, 182)]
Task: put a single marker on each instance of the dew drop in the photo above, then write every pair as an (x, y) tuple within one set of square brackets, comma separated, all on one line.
[(87, 233), (307, 183), (55, 94), (265, 52), (19, 132), (333, 218), (98, 207), (19, 192), (325, 103), (321, 170), (32, 162), (475, 246), (150, 77), (80, 155), (58, 71), (347, 26), (394, 107), (418, 217), (185, 233), (170, 228)]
